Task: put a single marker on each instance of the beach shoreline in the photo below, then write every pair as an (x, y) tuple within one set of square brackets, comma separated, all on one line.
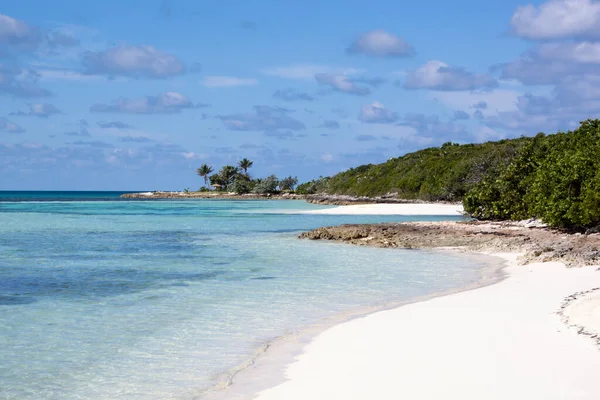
[(322, 364), (265, 369), (493, 342)]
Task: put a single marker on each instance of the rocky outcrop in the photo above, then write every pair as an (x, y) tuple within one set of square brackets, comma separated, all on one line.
[(537, 243)]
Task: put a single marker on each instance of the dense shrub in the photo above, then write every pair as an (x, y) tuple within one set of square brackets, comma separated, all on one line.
[(267, 185), (240, 186), (435, 174), (312, 187), (552, 177), (288, 183), (555, 178)]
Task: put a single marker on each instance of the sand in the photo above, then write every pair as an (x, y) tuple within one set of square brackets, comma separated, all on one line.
[(393, 209), (504, 341)]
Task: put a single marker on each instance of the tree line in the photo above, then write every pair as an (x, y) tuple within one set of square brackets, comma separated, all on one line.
[(555, 178), (235, 178)]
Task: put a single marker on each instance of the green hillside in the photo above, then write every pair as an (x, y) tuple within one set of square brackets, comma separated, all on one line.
[(552, 177), (444, 173)]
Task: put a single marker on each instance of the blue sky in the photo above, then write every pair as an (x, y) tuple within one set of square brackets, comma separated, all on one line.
[(135, 95)]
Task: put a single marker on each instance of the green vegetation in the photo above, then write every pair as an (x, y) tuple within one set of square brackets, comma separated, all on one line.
[(244, 164), (204, 171), (555, 178), (443, 173), (236, 179)]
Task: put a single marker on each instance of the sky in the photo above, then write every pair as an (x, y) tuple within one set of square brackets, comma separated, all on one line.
[(137, 94)]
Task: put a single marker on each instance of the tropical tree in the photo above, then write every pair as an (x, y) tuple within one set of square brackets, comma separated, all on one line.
[(216, 180), (228, 174), (204, 171), (267, 185), (288, 183), (244, 164)]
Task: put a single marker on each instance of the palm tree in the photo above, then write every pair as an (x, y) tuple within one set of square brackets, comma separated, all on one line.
[(245, 164), (204, 171), (228, 174)]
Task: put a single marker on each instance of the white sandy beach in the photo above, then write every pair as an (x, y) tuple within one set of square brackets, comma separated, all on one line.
[(504, 341), (393, 209)]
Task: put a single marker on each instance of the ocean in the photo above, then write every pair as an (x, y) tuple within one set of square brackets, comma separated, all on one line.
[(104, 298)]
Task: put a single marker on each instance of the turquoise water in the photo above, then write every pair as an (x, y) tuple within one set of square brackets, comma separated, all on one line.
[(6, 195), (154, 299)]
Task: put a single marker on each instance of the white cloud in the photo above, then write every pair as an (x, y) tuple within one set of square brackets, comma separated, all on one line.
[(17, 33), (190, 155), (20, 82), (67, 75), (162, 103), (558, 19), (341, 83), (10, 127), (132, 61), (264, 118), (327, 157), (42, 110), (497, 100), (485, 133), (227, 81), (437, 75), (307, 71), (377, 113), (380, 43), (582, 52)]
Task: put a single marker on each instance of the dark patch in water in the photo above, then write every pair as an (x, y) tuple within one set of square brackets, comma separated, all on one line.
[(179, 284), (263, 278), (6, 300), (90, 284)]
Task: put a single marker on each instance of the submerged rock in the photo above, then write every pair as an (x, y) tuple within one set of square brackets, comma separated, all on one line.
[(538, 244)]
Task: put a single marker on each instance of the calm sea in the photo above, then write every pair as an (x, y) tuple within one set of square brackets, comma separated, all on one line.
[(102, 298)]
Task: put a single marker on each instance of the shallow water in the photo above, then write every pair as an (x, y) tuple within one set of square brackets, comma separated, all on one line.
[(153, 299)]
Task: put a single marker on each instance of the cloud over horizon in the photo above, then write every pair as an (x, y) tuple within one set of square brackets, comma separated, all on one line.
[(521, 69)]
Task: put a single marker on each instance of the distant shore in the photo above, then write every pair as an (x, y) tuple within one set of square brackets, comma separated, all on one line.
[(324, 199)]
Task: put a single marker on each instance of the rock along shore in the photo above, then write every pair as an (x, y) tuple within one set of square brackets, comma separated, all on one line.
[(537, 244)]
